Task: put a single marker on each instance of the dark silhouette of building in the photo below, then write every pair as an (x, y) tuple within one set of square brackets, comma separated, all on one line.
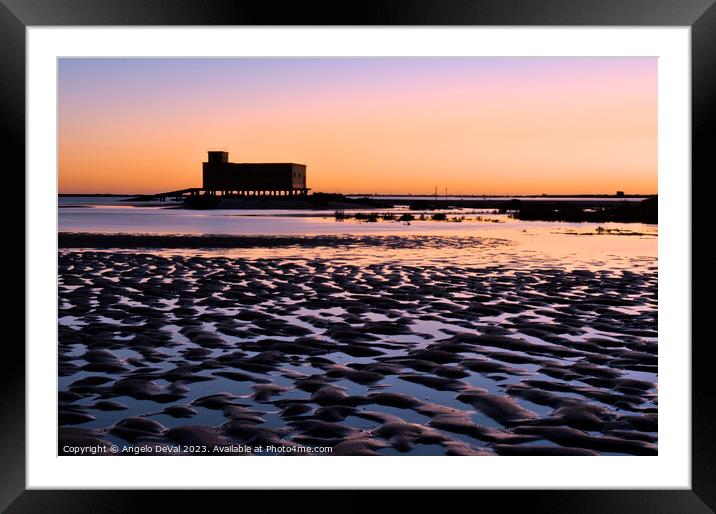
[(252, 179)]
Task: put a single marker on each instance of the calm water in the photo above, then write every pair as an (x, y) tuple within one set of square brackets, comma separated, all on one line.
[(546, 240)]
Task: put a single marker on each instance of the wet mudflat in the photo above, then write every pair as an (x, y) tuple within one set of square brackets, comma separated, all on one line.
[(390, 357)]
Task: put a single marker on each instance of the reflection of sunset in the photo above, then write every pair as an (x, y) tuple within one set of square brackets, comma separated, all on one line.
[(471, 125)]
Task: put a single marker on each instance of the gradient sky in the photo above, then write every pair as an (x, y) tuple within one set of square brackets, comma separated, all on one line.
[(472, 125)]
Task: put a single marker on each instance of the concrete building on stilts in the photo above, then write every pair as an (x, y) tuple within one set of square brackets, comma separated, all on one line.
[(275, 179)]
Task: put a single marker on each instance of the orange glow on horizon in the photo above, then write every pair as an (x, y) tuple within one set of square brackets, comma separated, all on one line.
[(503, 127)]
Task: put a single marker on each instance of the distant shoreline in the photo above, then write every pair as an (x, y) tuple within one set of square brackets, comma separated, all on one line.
[(407, 195), (572, 209), (478, 196)]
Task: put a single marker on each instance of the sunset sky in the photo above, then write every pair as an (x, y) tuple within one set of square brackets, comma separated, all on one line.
[(472, 125)]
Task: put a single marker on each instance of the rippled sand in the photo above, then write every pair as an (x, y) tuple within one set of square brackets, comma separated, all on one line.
[(367, 357)]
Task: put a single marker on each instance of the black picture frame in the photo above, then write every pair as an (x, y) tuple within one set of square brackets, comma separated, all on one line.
[(699, 15)]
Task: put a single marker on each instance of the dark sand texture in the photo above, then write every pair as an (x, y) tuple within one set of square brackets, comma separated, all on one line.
[(377, 359)]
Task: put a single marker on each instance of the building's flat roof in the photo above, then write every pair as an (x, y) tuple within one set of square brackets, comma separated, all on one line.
[(254, 163), (258, 163)]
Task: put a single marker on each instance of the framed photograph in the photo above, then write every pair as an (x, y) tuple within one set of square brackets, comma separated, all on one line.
[(415, 247)]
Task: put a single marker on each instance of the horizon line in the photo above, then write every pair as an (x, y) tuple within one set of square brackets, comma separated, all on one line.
[(431, 195)]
